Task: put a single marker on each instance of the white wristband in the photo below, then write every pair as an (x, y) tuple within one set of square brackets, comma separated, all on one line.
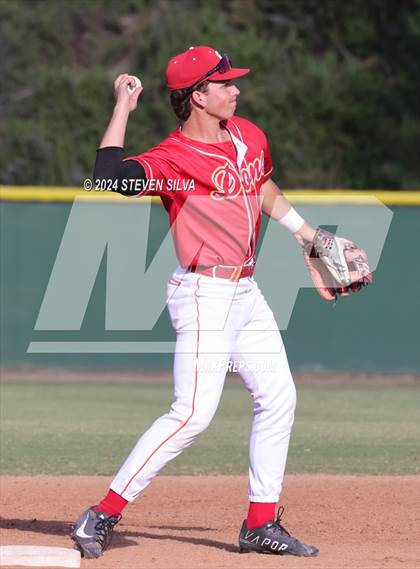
[(292, 220)]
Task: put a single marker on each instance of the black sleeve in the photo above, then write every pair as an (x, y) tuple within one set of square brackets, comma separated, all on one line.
[(109, 165)]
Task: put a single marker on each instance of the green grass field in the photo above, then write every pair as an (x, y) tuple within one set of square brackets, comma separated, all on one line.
[(89, 429)]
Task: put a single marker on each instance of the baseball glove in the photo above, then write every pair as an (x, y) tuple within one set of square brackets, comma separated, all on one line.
[(336, 265)]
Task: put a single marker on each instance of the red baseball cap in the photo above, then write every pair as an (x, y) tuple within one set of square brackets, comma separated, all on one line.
[(193, 65)]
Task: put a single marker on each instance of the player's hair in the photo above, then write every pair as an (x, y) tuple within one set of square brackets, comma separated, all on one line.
[(181, 100)]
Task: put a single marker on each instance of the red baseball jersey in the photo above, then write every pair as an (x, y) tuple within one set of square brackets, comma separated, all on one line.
[(212, 192)]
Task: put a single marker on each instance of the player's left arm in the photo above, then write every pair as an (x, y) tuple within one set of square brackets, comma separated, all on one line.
[(275, 205), (336, 265)]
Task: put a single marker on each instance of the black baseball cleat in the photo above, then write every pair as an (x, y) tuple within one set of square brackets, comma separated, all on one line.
[(273, 538), (92, 532)]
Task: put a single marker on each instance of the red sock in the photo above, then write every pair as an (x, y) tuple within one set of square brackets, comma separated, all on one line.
[(259, 514), (113, 504)]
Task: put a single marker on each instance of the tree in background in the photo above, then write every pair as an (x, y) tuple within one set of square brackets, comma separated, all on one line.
[(335, 84)]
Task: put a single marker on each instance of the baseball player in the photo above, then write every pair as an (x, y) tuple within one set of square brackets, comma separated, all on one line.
[(224, 165)]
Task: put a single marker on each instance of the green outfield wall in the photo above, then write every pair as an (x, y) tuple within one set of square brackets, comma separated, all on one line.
[(374, 331)]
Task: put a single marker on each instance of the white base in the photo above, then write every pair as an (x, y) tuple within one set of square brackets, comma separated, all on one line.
[(37, 556)]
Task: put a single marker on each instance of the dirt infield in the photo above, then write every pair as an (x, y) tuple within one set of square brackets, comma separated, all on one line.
[(190, 522)]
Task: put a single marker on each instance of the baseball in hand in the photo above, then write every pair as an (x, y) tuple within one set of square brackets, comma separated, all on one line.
[(137, 84)]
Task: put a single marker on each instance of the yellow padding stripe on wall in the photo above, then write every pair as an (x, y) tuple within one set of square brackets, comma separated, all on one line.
[(307, 196)]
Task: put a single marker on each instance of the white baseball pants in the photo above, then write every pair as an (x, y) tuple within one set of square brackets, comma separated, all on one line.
[(217, 322)]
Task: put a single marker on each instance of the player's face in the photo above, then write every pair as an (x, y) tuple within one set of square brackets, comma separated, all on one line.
[(221, 99)]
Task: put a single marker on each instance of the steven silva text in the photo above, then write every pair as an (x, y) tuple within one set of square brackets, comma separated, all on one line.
[(137, 185)]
